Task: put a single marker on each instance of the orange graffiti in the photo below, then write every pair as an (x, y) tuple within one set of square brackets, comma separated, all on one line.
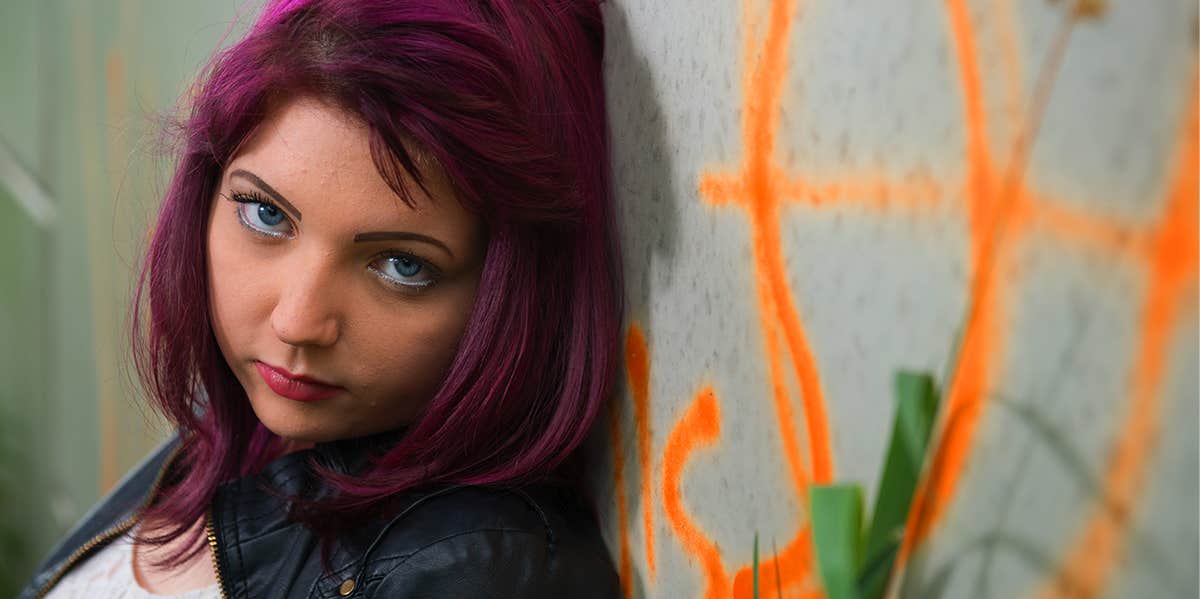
[(1173, 267), (789, 572), (1000, 209), (700, 425), (1020, 208), (624, 562), (967, 389), (638, 365), (757, 190), (760, 188)]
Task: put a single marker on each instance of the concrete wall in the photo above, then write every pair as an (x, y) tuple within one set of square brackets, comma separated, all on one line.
[(816, 194)]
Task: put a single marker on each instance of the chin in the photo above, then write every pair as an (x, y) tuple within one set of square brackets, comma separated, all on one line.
[(295, 421), (300, 433), (323, 421)]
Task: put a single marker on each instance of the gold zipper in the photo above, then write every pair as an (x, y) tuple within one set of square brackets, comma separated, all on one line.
[(113, 531), (85, 549), (211, 533)]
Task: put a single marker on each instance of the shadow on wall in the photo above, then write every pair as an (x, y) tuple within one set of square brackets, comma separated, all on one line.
[(642, 167)]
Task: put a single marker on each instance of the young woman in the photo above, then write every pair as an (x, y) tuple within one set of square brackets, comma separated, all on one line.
[(383, 307)]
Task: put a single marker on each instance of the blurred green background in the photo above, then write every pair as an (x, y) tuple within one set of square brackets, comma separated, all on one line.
[(87, 87)]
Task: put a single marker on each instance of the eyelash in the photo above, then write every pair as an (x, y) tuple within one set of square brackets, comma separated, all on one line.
[(253, 197)]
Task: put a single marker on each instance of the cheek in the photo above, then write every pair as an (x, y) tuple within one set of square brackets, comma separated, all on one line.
[(415, 349), (237, 294)]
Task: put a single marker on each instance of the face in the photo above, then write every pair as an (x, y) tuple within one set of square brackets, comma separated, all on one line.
[(338, 307)]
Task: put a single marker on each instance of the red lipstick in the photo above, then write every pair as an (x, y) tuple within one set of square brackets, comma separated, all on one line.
[(299, 388)]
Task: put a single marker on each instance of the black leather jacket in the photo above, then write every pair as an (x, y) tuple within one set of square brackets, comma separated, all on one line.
[(445, 542)]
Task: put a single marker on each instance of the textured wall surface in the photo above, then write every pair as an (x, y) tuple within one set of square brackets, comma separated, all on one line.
[(816, 194)]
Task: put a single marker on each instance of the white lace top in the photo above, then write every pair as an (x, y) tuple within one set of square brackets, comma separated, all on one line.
[(109, 574)]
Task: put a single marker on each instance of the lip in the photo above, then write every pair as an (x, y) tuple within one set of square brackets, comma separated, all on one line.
[(295, 387)]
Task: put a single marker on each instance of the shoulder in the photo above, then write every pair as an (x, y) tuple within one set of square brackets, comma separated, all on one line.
[(119, 505), (492, 542)]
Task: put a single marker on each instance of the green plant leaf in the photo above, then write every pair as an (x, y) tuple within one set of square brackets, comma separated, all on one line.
[(836, 512), (916, 407), (756, 565)]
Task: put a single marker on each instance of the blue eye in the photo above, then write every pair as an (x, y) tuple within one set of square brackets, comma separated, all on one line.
[(405, 266), (269, 214), (261, 216), (406, 271)]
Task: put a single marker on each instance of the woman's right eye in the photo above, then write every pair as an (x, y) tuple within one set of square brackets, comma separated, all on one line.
[(261, 216)]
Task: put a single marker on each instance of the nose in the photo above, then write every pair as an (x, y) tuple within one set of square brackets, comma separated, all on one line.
[(306, 312)]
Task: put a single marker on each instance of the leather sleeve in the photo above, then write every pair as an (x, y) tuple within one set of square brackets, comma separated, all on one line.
[(498, 563)]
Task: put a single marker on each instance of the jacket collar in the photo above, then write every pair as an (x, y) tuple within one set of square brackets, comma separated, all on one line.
[(350, 456), (259, 545)]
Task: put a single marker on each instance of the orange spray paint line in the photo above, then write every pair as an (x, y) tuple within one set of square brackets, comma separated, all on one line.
[(994, 219), (1107, 235), (700, 425), (637, 364), (758, 190), (1173, 260), (979, 161), (970, 379), (761, 121), (875, 190), (789, 571), (1000, 221), (764, 90), (624, 565)]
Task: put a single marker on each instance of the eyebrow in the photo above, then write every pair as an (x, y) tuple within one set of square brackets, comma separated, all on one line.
[(360, 237), (402, 236), (278, 197)]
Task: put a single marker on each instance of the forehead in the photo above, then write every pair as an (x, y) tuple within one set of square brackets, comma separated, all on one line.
[(319, 157)]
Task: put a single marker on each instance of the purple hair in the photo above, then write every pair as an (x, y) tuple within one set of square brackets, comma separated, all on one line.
[(506, 97)]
